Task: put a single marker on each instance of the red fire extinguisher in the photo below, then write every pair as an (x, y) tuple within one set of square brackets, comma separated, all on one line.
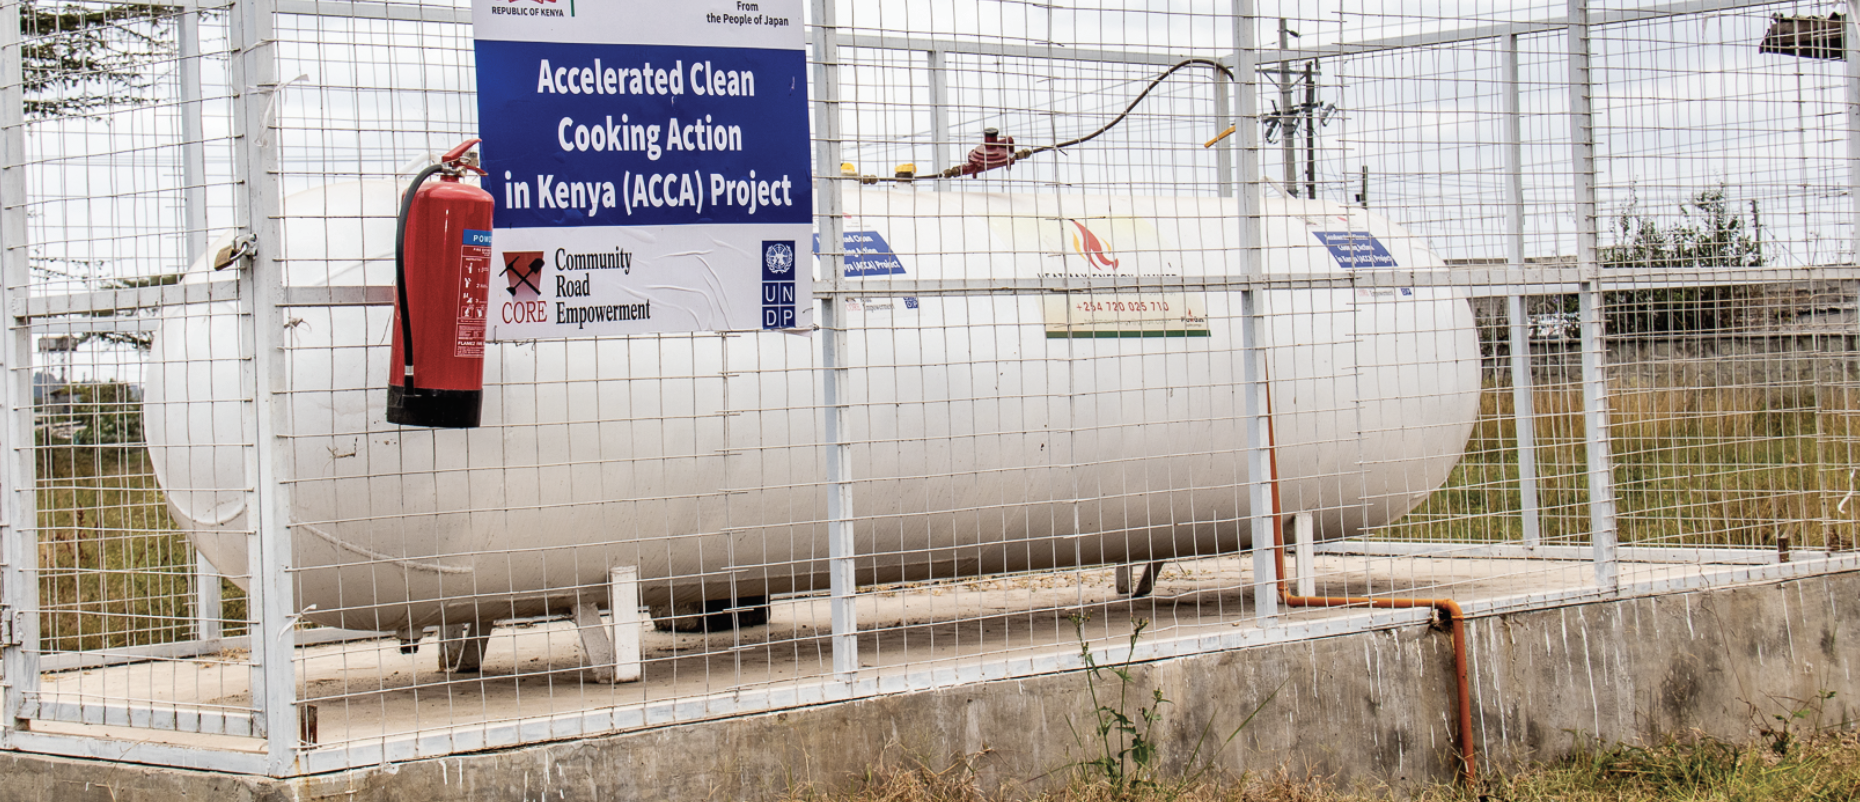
[(442, 267)]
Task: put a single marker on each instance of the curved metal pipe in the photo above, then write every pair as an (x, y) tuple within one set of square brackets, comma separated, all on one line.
[(1447, 608)]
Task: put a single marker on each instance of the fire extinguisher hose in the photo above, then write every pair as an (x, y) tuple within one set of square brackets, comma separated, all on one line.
[(400, 274)]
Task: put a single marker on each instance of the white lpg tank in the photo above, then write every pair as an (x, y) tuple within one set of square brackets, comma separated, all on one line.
[(996, 431)]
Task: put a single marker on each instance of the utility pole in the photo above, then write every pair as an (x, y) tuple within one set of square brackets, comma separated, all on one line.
[(1756, 229), (1310, 123), (1288, 146)]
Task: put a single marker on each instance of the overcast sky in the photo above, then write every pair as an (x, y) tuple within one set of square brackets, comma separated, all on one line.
[(1682, 105)]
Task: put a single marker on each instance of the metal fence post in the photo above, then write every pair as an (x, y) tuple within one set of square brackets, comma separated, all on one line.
[(844, 585), (940, 141), (271, 598), (1602, 523), (1523, 410), (193, 135), (1252, 348), (19, 579), (207, 609), (1852, 40), (1224, 149)]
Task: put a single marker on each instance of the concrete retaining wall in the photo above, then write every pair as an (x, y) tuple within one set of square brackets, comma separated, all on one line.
[(1373, 706)]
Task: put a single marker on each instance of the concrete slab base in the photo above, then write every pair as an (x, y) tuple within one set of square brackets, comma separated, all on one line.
[(1373, 707)]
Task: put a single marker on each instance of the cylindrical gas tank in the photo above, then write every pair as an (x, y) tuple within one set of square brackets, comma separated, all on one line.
[(447, 277), (991, 431)]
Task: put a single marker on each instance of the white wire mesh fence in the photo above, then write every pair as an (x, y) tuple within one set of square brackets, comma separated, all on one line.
[(1513, 305)]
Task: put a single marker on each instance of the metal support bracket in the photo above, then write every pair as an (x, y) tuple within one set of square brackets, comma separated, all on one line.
[(1146, 581), (613, 650)]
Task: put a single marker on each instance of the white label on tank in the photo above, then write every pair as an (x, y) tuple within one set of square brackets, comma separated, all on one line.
[(881, 305), (1143, 314)]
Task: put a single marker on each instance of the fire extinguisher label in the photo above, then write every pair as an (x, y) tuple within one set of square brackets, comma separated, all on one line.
[(474, 284)]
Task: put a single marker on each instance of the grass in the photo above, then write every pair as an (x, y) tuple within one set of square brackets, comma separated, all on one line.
[(114, 569), (1825, 767), (1707, 467)]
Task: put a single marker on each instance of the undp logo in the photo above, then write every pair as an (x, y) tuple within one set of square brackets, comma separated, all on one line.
[(778, 290), (778, 258)]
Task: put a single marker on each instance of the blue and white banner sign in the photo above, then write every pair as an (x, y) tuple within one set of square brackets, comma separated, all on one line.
[(1355, 249), (650, 165)]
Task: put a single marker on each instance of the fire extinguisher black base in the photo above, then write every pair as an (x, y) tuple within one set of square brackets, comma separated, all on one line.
[(446, 409)]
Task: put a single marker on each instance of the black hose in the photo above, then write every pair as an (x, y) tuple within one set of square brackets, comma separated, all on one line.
[(1218, 67), (400, 275), (956, 171)]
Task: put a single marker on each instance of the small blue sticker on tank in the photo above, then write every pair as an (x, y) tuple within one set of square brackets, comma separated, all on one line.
[(867, 254), (480, 239), (1355, 249)]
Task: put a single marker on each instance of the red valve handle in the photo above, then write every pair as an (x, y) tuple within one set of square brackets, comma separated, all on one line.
[(452, 156)]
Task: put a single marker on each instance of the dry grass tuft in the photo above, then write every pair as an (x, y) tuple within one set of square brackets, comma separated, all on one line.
[(958, 783), (1693, 467), (1823, 768)]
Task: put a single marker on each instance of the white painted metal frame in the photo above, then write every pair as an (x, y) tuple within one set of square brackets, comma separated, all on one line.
[(1252, 266), (724, 705), (1852, 41), (258, 288), (207, 607), (1601, 486), (1475, 282), (1524, 414), (19, 580), (437, 744), (831, 225), (254, 76)]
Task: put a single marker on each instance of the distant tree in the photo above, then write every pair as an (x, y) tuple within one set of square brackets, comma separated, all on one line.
[(1708, 234), (84, 56)]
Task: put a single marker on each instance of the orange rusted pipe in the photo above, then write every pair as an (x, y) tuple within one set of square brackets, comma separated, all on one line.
[(1449, 609)]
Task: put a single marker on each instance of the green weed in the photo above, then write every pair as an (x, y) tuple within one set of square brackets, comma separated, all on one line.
[(1124, 730)]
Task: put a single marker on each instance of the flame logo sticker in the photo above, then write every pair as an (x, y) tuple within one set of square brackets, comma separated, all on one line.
[(1096, 251)]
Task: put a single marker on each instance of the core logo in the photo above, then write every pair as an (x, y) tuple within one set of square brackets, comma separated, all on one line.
[(523, 274), (523, 280), (1096, 251)]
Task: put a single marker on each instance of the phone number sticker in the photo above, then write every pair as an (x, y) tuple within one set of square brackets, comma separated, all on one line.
[(1138, 314)]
